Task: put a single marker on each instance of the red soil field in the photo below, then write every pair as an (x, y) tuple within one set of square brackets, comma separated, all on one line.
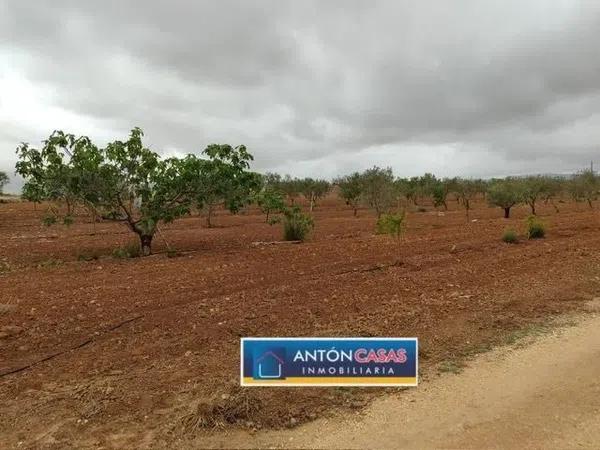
[(145, 351)]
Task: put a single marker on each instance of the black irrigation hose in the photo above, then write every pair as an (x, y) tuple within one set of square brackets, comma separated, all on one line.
[(62, 352)]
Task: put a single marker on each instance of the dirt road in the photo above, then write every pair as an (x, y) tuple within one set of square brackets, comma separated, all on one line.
[(543, 395)]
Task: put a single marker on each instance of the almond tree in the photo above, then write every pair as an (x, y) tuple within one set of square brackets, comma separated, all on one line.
[(350, 190), (505, 194), (378, 189), (533, 189), (554, 188), (585, 186), (290, 187), (407, 188), (313, 190), (466, 191)]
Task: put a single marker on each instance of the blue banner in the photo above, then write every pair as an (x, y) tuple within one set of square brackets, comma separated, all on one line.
[(329, 361)]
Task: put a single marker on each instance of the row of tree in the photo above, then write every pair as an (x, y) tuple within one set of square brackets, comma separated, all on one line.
[(127, 182), (379, 189)]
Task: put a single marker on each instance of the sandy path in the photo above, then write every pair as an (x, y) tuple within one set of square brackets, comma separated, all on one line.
[(544, 395)]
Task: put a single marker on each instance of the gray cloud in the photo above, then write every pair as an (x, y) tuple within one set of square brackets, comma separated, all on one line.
[(469, 88)]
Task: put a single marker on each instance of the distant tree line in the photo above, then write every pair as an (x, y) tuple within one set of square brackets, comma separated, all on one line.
[(378, 189)]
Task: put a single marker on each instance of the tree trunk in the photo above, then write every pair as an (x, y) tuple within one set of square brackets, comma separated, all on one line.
[(146, 244), (355, 210), (507, 212), (312, 203), (208, 216), (532, 206), (589, 200), (267, 219), (445, 206)]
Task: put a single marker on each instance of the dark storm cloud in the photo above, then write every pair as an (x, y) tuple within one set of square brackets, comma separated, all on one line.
[(470, 87)]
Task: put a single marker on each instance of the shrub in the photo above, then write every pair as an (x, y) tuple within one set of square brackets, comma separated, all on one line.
[(68, 220), (131, 250), (536, 229), (89, 255), (49, 220), (392, 224), (296, 225), (172, 253), (350, 189), (510, 236)]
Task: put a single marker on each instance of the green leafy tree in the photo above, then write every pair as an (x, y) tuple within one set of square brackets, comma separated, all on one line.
[(53, 173), (585, 186), (452, 185), (313, 190), (272, 180), (505, 194), (439, 193), (481, 186), (350, 190), (378, 189), (407, 188), (224, 180), (125, 181), (426, 184), (466, 190), (554, 187), (291, 187), (270, 201), (537, 188)]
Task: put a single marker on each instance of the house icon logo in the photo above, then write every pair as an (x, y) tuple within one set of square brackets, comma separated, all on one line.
[(269, 365)]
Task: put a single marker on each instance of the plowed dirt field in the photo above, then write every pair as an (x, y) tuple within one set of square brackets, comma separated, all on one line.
[(145, 351)]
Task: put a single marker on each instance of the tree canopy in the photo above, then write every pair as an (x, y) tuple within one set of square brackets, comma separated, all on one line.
[(127, 182), (505, 194)]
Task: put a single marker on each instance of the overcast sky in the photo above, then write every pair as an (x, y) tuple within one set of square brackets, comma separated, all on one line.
[(469, 88)]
